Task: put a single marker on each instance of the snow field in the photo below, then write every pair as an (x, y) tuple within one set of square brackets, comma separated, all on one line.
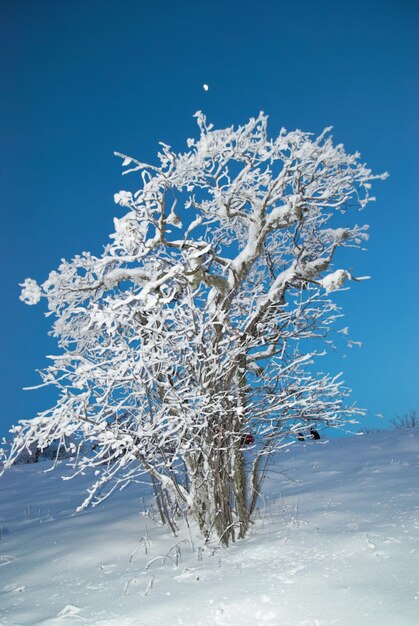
[(335, 541)]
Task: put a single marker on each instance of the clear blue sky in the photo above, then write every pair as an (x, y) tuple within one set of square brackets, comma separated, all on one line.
[(83, 78)]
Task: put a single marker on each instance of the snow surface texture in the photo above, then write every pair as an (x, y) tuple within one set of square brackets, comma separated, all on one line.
[(335, 541)]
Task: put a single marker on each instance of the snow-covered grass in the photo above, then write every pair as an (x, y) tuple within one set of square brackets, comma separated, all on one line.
[(335, 541)]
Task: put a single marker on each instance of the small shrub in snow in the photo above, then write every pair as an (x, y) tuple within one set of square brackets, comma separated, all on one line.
[(408, 420)]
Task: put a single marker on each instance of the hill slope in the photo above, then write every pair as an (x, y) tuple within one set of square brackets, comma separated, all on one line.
[(335, 541)]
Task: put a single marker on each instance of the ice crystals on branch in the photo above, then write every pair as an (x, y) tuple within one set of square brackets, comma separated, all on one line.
[(335, 280), (124, 198), (31, 292), (193, 332)]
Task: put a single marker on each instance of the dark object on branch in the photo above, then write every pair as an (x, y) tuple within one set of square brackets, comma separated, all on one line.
[(314, 434), (300, 437), (247, 439)]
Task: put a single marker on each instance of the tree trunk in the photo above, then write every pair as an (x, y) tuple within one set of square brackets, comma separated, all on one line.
[(240, 491), (224, 520)]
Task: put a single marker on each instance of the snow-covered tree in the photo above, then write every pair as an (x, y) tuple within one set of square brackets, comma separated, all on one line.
[(189, 347)]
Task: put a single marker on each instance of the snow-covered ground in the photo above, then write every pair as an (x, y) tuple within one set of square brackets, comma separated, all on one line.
[(336, 541)]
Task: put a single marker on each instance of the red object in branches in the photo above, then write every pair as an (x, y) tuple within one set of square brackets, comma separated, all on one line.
[(247, 439)]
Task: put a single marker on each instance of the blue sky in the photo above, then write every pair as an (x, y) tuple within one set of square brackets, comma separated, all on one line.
[(81, 79)]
